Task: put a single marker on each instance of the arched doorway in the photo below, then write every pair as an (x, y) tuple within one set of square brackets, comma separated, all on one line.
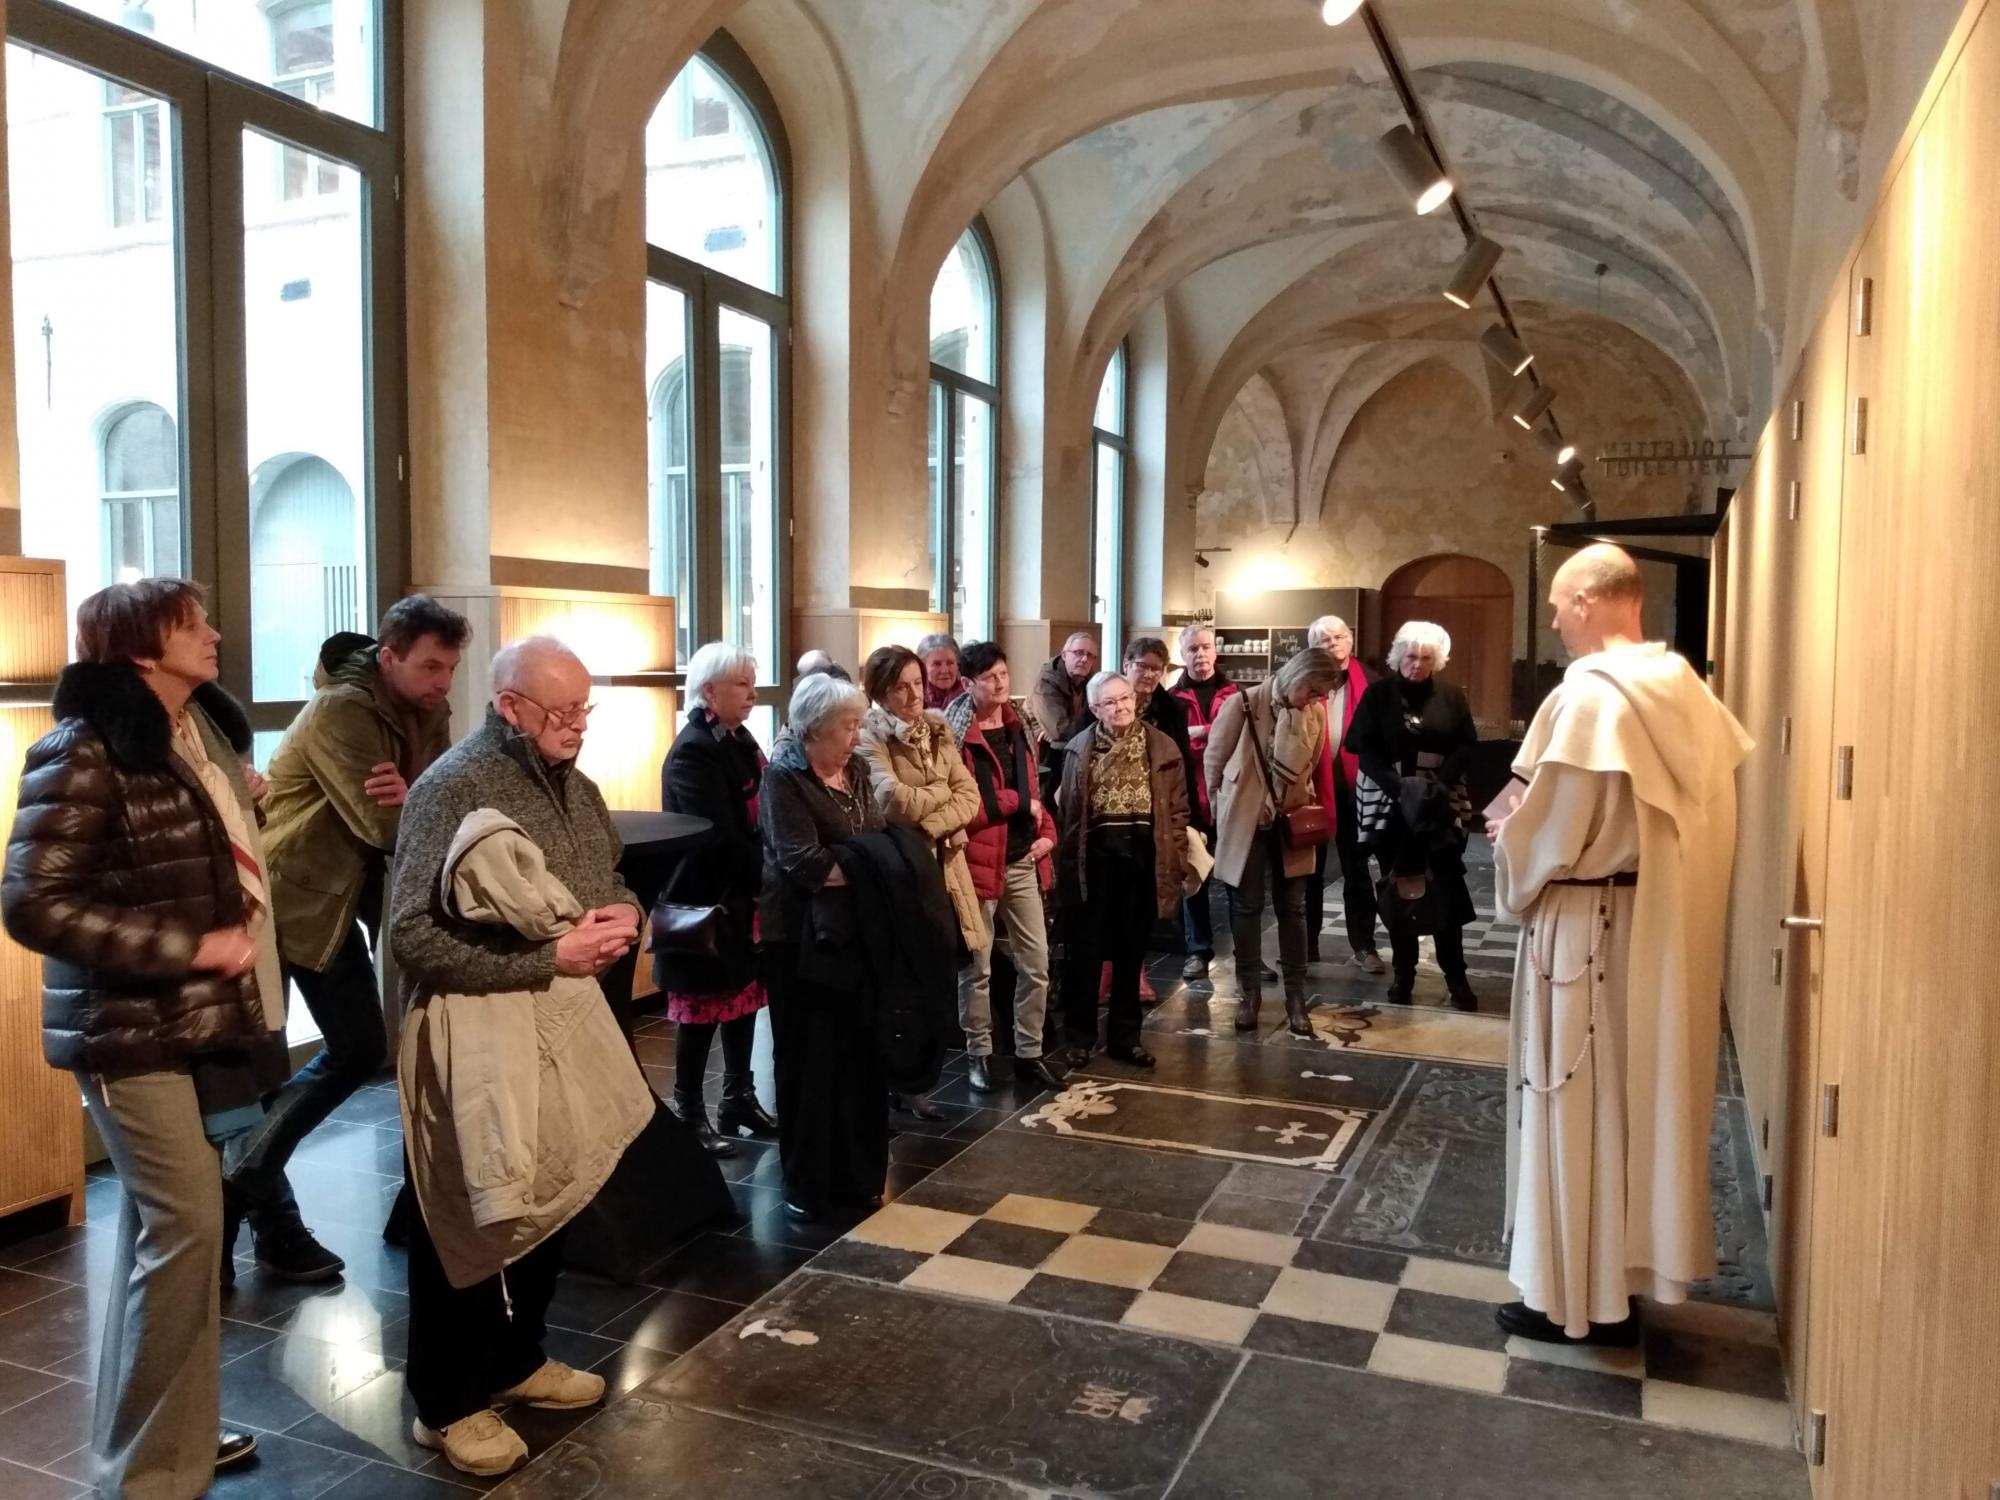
[(1473, 600), (304, 580)]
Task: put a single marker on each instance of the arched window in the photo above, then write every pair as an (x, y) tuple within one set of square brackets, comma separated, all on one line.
[(140, 479), (1111, 455), (964, 434), (305, 578), (717, 323)]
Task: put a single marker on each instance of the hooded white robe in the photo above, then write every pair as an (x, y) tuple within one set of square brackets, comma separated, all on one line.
[(1630, 765)]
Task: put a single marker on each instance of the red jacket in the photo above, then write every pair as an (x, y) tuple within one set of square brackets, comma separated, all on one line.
[(986, 834), (1198, 726)]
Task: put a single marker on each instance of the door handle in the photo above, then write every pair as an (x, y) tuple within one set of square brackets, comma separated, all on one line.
[(1802, 924)]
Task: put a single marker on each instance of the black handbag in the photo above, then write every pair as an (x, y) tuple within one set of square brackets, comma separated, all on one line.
[(690, 931)]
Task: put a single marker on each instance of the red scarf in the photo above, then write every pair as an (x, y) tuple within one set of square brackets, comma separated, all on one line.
[(1357, 684)]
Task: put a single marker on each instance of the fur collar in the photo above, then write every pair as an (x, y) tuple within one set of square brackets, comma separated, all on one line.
[(113, 699)]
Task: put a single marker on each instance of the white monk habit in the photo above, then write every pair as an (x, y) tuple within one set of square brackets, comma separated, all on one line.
[(1630, 766)]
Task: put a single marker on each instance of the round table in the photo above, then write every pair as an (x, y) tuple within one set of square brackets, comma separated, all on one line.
[(652, 841), (654, 835)]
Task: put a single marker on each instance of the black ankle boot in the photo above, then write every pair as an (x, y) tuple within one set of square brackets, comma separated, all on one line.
[(1295, 1015), (691, 1112), (1402, 989), (741, 1112), (1462, 997)]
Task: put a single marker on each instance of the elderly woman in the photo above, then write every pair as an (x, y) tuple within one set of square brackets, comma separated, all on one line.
[(1413, 735), (1123, 815), (1264, 766), (942, 683), (714, 771), (833, 1139), (135, 869)]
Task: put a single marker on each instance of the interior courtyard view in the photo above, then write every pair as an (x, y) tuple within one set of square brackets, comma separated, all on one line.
[(999, 749)]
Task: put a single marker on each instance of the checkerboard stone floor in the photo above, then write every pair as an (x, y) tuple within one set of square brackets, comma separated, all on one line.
[(1704, 1367)]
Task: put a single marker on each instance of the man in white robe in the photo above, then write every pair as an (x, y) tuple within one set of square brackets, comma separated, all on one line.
[(1616, 855)]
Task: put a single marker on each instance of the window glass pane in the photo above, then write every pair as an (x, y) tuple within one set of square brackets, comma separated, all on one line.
[(322, 51), (711, 192), (962, 311), (763, 725), (1111, 396), (749, 492), (1107, 539), (96, 324), (670, 479), (306, 405), (972, 532)]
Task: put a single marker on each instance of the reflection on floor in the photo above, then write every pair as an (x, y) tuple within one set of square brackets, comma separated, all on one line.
[(1266, 1268)]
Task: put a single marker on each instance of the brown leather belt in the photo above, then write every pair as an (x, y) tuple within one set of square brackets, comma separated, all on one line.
[(1623, 877)]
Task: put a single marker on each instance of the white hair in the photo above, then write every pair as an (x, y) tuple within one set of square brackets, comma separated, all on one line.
[(715, 662), (1322, 631), (1412, 634), (1094, 689), (1190, 631), (818, 700)]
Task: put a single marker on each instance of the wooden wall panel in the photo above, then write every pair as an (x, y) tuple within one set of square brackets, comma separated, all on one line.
[(34, 645)]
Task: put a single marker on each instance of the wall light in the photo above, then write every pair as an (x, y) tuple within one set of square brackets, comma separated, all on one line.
[(1529, 409), (1505, 350), (1481, 256), (1336, 11), (1416, 171)]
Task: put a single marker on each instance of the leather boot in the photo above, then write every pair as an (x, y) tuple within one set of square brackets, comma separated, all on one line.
[(1403, 988), (741, 1112), (1246, 1011), (691, 1112), (1295, 1011), (1462, 997)]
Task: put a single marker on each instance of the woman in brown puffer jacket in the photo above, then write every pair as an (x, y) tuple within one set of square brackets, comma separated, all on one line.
[(135, 869)]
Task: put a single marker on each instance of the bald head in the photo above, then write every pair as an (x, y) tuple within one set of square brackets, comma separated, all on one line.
[(1599, 600), (535, 664), (542, 688)]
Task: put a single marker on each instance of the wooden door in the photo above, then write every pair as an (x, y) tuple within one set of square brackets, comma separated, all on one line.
[(1474, 601)]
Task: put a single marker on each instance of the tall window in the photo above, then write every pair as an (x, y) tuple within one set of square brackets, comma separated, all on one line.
[(1111, 455), (227, 383), (964, 434), (718, 331)]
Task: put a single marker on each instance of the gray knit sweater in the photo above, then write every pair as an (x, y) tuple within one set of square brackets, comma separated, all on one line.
[(558, 807)]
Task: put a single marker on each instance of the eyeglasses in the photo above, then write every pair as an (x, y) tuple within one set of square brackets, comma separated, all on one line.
[(562, 717)]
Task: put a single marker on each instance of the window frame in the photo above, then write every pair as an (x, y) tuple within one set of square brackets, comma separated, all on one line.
[(945, 502), (208, 111), (708, 292), (1120, 442)]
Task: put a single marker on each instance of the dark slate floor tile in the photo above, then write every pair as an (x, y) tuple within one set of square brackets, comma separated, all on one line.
[(369, 1107), (18, 1383), (1716, 1364), (17, 1483), (49, 1330), (748, 1164), (41, 1430), (954, 1198), (903, 1176), (587, 1303), (903, 1123), (370, 1422), (1321, 1342), (257, 1298), (1007, 1244), (1402, 1441), (350, 1315), (379, 1482), (1584, 1390), (977, 1123), (285, 1469), (765, 1220), (725, 1269), (630, 1367), (1146, 1229), (580, 1351), (1289, 1184), (1079, 1299), (870, 1262), (1110, 1176), (1049, 1406), (653, 1450), (19, 1288), (1344, 1260), (38, 1243), (670, 1322), (1214, 1279), (278, 1386), (1445, 1320), (924, 1150), (1252, 1213)]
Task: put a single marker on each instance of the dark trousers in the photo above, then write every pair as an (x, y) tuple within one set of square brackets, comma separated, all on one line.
[(1113, 923), (467, 1344), (347, 1008), (1449, 940), (1265, 870), (692, 1040), (1357, 887), (1198, 918), (833, 1097)]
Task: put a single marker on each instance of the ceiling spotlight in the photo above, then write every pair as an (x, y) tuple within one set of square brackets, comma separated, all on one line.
[(1336, 11), (1563, 450), (1569, 476), (1505, 350), (1530, 408), (1416, 171), (1481, 256)]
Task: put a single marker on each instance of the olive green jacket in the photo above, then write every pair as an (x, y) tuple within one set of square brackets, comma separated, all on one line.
[(327, 840)]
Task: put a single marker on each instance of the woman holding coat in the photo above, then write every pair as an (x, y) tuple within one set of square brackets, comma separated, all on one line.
[(1264, 763), (713, 771)]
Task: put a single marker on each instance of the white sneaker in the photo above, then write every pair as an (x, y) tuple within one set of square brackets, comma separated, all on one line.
[(556, 1387), (478, 1444)]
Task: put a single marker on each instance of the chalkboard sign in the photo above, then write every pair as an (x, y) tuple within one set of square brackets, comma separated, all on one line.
[(1286, 644)]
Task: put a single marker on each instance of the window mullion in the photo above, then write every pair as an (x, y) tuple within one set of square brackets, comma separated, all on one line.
[(706, 387)]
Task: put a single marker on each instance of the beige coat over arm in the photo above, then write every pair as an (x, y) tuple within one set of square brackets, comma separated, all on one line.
[(919, 779)]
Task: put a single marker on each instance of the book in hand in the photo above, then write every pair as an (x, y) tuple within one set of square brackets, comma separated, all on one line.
[(1511, 796)]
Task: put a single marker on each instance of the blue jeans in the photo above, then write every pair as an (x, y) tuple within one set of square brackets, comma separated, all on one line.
[(345, 1005)]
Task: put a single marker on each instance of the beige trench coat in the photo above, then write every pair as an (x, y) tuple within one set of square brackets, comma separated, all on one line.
[(1240, 791), (919, 779)]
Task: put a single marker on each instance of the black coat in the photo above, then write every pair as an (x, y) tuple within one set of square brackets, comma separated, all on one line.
[(911, 962), (1396, 722), (717, 779), (805, 830), (117, 867)]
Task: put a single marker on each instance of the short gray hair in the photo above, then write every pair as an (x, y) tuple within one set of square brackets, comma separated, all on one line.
[(1094, 689), (1413, 634), (1312, 668), (713, 662), (818, 700), (1190, 631), (1322, 631), (517, 661), (813, 661), (936, 641)]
